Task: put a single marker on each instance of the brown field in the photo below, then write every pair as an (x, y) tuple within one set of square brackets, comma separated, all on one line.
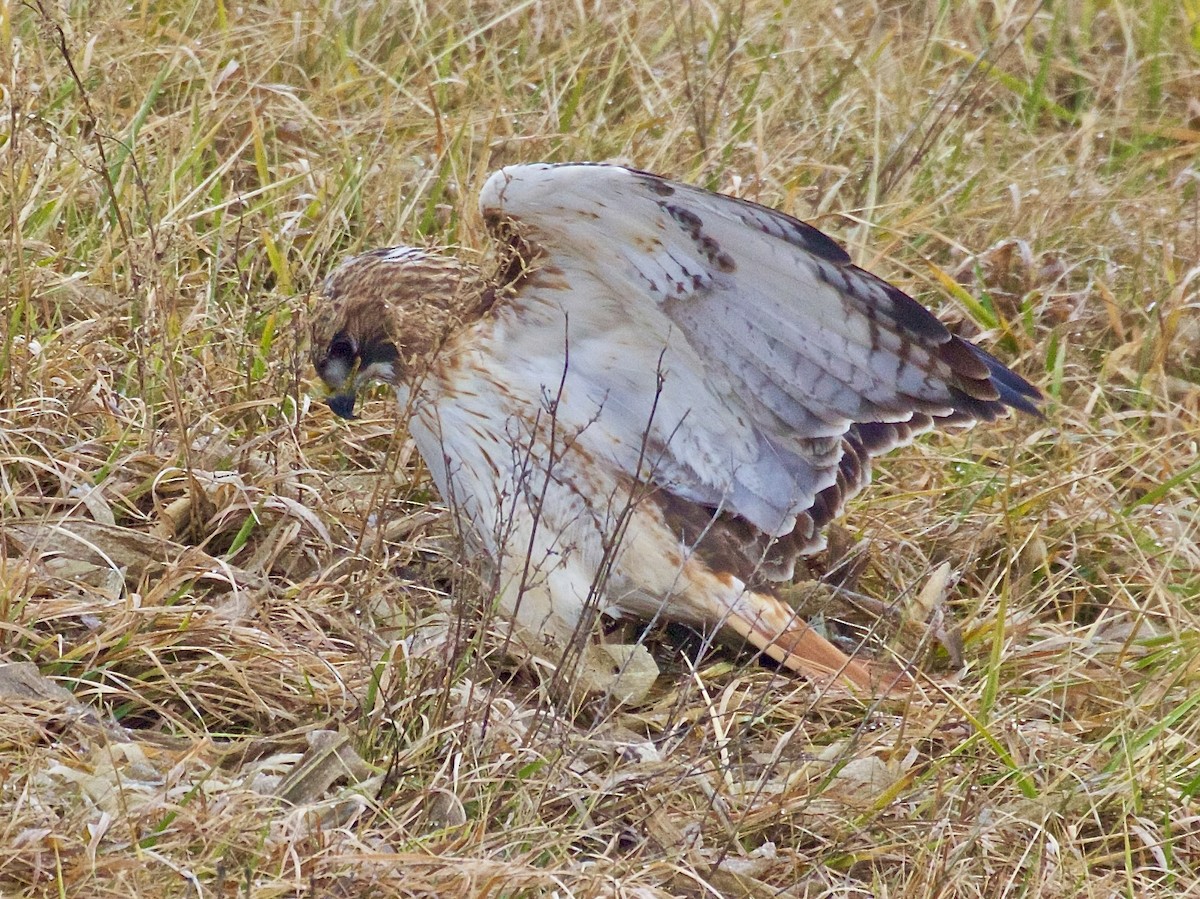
[(243, 654)]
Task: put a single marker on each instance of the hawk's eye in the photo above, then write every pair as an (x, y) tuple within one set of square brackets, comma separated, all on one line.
[(339, 362), (342, 349)]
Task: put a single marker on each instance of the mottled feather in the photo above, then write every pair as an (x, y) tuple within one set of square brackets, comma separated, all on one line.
[(703, 376)]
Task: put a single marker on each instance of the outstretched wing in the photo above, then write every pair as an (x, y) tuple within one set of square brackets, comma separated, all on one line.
[(736, 348)]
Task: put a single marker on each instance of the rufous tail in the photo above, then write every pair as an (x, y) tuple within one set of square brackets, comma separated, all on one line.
[(781, 634)]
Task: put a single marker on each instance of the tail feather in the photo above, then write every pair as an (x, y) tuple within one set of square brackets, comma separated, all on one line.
[(781, 634)]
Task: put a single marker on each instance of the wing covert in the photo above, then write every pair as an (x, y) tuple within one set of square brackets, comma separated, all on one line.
[(786, 345)]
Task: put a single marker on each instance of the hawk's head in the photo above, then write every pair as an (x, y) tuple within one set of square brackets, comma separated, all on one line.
[(383, 315)]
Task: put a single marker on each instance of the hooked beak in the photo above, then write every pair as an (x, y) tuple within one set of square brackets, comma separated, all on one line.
[(346, 372), (342, 404), (340, 374)]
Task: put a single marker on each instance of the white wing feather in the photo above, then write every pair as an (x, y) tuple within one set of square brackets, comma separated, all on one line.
[(726, 346)]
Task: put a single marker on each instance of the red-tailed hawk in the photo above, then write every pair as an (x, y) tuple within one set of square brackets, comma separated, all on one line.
[(656, 403)]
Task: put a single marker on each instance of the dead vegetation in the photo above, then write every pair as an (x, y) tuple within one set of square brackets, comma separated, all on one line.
[(241, 654)]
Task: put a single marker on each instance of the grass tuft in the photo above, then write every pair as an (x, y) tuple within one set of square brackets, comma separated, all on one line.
[(240, 653)]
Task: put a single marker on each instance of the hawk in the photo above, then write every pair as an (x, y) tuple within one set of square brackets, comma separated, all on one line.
[(656, 401)]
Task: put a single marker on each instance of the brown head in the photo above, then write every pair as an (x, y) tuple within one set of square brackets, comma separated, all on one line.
[(384, 314)]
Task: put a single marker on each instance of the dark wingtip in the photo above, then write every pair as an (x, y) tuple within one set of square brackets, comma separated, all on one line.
[(342, 404), (1014, 390)]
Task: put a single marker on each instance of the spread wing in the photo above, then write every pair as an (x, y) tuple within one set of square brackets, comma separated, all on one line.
[(733, 350)]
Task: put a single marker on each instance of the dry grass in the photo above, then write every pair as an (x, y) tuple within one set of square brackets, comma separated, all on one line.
[(216, 571)]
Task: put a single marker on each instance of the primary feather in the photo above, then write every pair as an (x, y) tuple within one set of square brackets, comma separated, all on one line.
[(701, 376)]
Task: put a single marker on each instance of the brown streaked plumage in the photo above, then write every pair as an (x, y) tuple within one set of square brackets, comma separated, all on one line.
[(657, 403)]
